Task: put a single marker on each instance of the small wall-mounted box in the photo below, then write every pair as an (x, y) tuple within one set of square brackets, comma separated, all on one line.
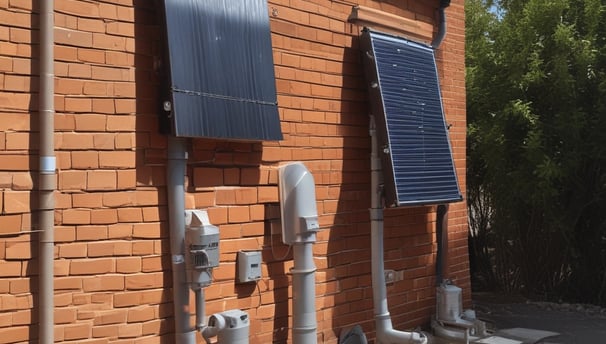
[(249, 266)]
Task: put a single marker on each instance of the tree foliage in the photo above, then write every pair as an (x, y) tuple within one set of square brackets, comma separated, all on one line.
[(536, 104)]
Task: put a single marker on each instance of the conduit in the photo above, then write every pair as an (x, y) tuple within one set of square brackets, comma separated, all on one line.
[(176, 169), (46, 175), (386, 334)]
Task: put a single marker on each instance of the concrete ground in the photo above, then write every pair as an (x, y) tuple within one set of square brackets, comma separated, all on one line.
[(577, 324)]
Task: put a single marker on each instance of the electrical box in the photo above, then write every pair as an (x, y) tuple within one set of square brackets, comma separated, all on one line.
[(249, 266)]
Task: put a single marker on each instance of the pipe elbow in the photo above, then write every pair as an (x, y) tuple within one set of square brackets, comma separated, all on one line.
[(437, 41)]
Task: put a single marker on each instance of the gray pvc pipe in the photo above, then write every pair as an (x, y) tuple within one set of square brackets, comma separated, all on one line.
[(46, 176), (200, 308), (176, 169), (386, 334), (304, 329)]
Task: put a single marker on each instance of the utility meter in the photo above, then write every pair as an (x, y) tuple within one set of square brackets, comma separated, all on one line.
[(201, 248)]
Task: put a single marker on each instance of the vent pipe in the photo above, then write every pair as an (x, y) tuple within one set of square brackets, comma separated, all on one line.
[(47, 175), (299, 226), (386, 334)]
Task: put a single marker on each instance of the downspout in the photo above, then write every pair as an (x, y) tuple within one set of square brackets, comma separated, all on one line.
[(47, 175), (441, 24), (176, 169), (386, 334), (442, 240)]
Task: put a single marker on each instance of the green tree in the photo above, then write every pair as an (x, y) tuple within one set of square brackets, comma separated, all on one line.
[(536, 92)]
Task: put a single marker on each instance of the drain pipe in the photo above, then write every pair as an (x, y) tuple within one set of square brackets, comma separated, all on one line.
[(442, 240), (47, 175), (386, 334), (176, 169), (299, 226), (441, 24)]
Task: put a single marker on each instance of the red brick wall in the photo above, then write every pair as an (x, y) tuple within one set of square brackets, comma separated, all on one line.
[(112, 266)]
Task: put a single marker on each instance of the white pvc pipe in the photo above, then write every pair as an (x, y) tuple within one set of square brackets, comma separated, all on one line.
[(176, 169), (386, 334), (304, 294)]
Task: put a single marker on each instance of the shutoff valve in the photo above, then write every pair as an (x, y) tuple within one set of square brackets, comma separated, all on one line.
[(201, 248)]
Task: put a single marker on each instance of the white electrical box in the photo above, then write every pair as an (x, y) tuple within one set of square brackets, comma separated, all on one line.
[(249, 266)]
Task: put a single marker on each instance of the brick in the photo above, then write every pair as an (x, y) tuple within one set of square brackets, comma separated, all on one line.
[(130, 215), (87, 200), (130, 330), (73, 250), (91, 266), (87, 233), (15, 334), (110, 317), (238, 214), (147, 230), (101, 180), (117, 159), (78, 105), (127, 179), (125, 140), (75, 141), (104, 216), (76, 217), (72, 180), (65, 315), (90, 55), (18, 250), (85, 159), (77, 331), (10, 162), (90, 122), (10, 269), (10, 223), (17, 202), (109, 248), (73, 37), (21, 286), (22, 181), (67, 283), (121, 123), (128, 265), (152, 264), (103, 283)]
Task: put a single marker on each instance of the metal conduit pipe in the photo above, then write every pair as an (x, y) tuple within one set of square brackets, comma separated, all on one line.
[(386, 334), (46, 175), (176, 169)]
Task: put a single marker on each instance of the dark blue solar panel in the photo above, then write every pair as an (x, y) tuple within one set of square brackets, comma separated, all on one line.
[(406, 102), (221, 69)]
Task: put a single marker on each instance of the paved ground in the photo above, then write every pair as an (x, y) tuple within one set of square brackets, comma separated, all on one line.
[(578, 324)]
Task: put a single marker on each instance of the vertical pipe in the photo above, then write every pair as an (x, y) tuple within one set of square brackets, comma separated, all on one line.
[(46, 176), (304, 294), (442, 240), (177, 159), (200, 308), (386, 334)]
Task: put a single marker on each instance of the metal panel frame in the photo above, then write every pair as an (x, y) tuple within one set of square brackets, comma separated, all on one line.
[(415, 149)]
